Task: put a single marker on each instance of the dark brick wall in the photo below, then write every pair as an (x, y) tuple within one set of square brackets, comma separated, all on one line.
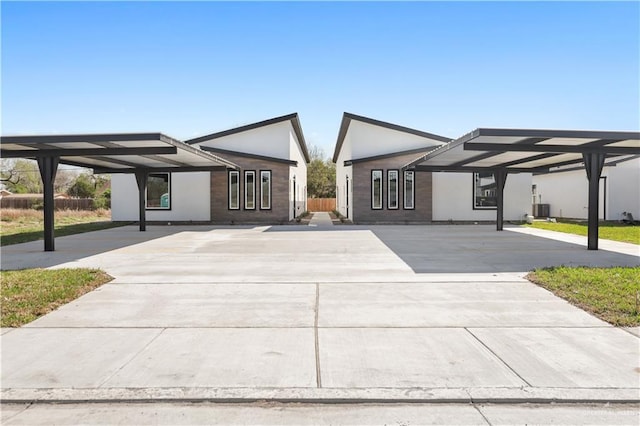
[(279, 212), (363, 213)]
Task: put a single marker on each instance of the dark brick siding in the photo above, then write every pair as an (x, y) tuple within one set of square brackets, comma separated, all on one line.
[(279, 212), (362, 193)]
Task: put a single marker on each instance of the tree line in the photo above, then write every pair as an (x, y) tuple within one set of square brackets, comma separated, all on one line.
[(21, 176)]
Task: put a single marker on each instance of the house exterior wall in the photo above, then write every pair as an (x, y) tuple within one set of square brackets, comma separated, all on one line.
[(300, 173), (453, 198), (361, 184), (270, 141), (567, 193), (623, 192), (364, 140), (341, 190), (342, 172), (189, 198), (280, 191), (370, 140)]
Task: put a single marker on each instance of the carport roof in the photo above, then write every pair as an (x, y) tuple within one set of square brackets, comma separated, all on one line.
[(526, 150), (114, 152)]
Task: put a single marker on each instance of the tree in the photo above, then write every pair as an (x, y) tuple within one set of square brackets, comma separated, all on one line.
[(82, 187), (321, 175), (21, 176)]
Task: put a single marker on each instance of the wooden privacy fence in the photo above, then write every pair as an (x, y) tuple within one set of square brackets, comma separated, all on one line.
[(38, 203), (321, 204)]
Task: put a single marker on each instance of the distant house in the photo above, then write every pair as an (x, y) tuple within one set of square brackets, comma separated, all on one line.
[(566, 192), (372, 186), (270, 185)]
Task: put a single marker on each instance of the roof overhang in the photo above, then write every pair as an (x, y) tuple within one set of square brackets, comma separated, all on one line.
[(114, 152), (527, 150)]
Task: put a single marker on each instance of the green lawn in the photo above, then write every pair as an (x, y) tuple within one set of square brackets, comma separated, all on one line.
[(607, 230), (31, 293), (611, 294), (22, 225)]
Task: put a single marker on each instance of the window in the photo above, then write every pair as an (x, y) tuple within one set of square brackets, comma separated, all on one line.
[(484, 191), (409, 190), (250, 190), (392, 189), (265, 189), (234, 190), (376, 189), (158, 195)]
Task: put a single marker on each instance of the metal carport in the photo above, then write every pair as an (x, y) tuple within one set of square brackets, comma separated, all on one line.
[(504, 151), (137, 153)]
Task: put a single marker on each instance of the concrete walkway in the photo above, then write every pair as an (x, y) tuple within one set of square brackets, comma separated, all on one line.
[(321, 219), (402, 314)]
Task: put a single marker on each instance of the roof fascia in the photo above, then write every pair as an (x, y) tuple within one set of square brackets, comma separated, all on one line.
[(241, 129)]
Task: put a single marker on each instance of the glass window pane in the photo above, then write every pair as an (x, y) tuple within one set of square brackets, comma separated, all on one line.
[(158, 191), (484, 191), (249, 190), (393, 189), (234, 190), (376, 189), (265, 189), (409, 195)]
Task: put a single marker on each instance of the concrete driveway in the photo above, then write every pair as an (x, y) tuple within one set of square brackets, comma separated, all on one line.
[(304, 313)]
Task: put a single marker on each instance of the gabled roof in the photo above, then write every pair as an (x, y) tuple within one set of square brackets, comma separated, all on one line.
[(348, 117), (293, 118)]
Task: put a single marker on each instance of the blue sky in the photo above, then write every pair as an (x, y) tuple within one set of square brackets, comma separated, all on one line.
[(188, 69)]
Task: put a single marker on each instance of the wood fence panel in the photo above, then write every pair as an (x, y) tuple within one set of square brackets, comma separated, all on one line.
[(60, 203), (321, 204)]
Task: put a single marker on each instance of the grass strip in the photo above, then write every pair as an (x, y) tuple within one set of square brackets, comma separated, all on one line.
[(24, 225), (611, 294), (36, 233), (30, 293), (608, 231)]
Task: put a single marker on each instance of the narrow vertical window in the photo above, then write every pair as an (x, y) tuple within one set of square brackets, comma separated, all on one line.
[(265, 189), (484, 191), (392, 188), (250, 190), (234, 190), (409, 190), (158, 195), (376, 189)]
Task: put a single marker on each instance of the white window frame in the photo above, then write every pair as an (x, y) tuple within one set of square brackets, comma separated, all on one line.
[(264, 173), (395, 197), (236, 174), (409, 195), (374, 173), (249, 203)]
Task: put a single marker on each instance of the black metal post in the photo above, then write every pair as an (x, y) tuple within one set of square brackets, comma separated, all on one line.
[(48, 167), (141, 180), (593, 163), (501, 178)]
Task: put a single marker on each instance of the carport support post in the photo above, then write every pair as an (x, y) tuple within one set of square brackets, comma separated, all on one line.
[(593, 163), (501, 179), (48, 167), (141, 180)]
